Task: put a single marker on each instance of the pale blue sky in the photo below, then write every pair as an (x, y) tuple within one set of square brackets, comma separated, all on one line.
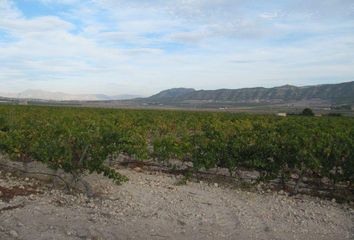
[(141, 46)]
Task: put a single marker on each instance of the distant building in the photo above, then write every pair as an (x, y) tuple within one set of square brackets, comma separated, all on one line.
[(282, 114)]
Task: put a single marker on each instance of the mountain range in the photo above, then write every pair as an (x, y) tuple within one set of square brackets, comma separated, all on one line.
[(325, 94), (342, 93), (60, 96)]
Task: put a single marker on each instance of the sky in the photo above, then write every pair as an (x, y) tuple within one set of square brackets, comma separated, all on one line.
[(145, 46)]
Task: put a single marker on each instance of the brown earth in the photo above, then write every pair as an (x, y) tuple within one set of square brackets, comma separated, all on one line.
[(152, 206)]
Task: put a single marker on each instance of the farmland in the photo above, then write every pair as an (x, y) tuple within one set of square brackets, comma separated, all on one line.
[(81, 140), (174, 200)]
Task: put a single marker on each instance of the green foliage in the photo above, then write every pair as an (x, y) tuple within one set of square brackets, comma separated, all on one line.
[(307, 112), (79, 140)]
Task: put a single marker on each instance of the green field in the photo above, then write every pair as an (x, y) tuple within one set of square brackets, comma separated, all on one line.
[(80, 140)]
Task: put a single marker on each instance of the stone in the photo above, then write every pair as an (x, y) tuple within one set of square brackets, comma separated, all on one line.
[(19, 224), (13, 233), (294, 176), (138, 169)]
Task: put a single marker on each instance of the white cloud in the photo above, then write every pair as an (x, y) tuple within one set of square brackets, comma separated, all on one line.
[(69, 2), (19, 26), (270, 15), (114, 46), (7, 10)]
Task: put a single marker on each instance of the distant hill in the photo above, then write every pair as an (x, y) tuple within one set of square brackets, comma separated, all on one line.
[(124, 97), (342, 93), (172, 93), (60, 96), (318, 95)]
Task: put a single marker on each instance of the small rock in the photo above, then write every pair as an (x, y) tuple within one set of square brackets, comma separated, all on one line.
[(19, 224), (82, 233), (180, 222), (32, 197), (333, 200), (138, 169), (26, 179), (325, 180), (216, 185), (294, 176), (13, 233)]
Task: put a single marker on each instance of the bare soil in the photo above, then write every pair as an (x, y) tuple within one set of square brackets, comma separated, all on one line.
[(152, 206)]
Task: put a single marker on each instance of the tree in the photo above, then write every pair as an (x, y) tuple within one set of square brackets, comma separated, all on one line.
[(307, 112)]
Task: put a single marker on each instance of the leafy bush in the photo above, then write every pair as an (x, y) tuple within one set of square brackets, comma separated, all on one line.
[(80, 140), (307, 112)]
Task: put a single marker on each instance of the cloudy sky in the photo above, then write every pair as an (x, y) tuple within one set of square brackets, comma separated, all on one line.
[(144, 46)]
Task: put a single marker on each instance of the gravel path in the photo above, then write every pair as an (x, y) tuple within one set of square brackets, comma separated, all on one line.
[(151, 206)]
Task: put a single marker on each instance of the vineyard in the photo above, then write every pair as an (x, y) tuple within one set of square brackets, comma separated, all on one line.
[(82, 140)]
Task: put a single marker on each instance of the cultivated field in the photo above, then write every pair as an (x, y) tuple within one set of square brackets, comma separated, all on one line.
[(192, 175)]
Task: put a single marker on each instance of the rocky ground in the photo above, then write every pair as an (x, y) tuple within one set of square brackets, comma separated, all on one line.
[(152, 206)]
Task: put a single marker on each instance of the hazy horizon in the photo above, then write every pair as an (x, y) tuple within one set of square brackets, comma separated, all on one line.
[(142, 47)]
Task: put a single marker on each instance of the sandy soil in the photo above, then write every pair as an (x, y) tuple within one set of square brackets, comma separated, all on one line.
[(152, 206)]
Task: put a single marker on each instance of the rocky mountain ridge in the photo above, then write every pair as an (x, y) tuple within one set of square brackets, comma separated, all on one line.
[(342, 93)]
